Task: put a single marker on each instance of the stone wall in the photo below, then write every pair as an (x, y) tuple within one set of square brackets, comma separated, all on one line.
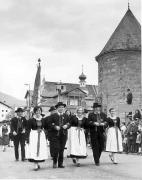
[(119, 71)]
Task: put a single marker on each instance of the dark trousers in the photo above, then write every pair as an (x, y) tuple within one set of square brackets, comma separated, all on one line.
[(19, 139), (97, 143), (57, 145)]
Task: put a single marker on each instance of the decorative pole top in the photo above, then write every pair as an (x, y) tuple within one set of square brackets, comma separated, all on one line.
[(82, 68), (128, 4), (39, 60)]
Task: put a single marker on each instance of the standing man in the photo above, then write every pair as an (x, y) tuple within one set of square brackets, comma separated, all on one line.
[(48, 133), (59, 123), (97, 123), (18, 130)]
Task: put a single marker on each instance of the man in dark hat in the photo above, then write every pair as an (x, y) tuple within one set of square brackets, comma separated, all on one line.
[(97, 123), (52, 111), (59, 123), (18, 130)]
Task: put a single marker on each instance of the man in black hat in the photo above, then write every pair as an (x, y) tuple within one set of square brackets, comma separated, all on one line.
[(59, 123), (52, 111), (18, 131), (97, 123)]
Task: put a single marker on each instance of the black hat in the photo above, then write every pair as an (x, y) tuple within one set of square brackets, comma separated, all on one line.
[(19, 110), (85, 111), (60, 104), (95, 105), (52, 108), (129, 114)]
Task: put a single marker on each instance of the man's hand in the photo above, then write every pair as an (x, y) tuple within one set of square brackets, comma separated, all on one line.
[(65, 127), (23, 131), (96, 123), (14, 133), (57, 128), (102, 124)]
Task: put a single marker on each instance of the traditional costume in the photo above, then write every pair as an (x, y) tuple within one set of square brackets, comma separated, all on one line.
[(38, 151), (97, 133), (58, 136), (114, 137), (4, 133), (18, 132), (76, 147)]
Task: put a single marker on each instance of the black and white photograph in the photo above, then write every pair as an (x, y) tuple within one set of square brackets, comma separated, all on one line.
[(71, 89)]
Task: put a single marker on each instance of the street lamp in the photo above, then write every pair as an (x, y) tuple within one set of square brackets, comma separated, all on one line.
[(29, 104)]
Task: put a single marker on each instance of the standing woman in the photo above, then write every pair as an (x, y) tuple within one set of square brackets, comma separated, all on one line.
[(76, 140), (37, 139), (114, 137), (4, 132)]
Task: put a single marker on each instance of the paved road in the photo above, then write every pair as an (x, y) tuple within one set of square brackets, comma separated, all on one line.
[(129, 167)]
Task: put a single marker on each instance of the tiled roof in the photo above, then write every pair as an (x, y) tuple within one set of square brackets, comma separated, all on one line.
[(127, 35), (11, 101), (49, 89)]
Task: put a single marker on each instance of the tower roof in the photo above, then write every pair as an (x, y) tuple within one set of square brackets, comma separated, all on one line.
[(127, 35), (82, 77)]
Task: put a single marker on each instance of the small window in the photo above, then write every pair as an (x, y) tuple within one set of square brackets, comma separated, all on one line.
[(62, 87), (2, 110), (6, 110), (2, 115)]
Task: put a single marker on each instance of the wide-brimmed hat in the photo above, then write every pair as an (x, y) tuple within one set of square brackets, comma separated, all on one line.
[(60, 104), (85, 111), (19, 110), (52, 108), (95, 105)]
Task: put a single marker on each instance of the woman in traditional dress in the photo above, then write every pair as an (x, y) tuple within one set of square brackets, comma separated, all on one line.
[(114, 137), (4, 133), (76, 137), (37, 139)]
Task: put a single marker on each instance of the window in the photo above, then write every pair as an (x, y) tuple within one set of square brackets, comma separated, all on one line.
[(2, 110), (73, 102)]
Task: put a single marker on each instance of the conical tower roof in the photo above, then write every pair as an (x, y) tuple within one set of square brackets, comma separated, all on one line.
[(127, 35)]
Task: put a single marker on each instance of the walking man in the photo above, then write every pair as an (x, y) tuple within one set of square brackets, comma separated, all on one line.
[(18, 130), (97, 123), (59, 123)]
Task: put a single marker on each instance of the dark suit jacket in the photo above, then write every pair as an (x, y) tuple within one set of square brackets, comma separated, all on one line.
[(54, 121), (14, 125), (93, 118)]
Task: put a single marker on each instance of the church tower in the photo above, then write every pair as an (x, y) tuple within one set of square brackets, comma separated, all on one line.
[(119, 67), (82, 79)]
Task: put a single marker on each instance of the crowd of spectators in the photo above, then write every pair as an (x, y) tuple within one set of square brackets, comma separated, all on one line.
[(132, 133)]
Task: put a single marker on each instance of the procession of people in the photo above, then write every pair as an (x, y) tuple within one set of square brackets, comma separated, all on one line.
[(64, 130)]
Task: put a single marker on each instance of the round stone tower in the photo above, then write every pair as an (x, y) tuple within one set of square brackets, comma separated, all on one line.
[(119, 67)]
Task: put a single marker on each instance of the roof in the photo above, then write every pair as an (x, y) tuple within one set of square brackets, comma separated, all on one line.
[(11, 101), (73, 91), (49, 89), (127, 35), (5, 104)]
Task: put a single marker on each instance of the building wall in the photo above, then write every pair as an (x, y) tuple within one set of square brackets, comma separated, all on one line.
[(4, 110), (119, 71)]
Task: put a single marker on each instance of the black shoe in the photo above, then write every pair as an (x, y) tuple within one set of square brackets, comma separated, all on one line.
[(61, 166), (23, 160), (78, 164), (97, 164), (16, 159), (54, 165), (74, 161)]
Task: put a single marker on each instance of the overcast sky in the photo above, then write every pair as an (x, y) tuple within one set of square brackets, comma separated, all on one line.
[(64, 33)]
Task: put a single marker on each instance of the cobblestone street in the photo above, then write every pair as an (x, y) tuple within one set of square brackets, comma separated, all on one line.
[(129, 167)]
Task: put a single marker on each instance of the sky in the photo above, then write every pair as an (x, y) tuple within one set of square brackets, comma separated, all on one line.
[(65, 34)]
